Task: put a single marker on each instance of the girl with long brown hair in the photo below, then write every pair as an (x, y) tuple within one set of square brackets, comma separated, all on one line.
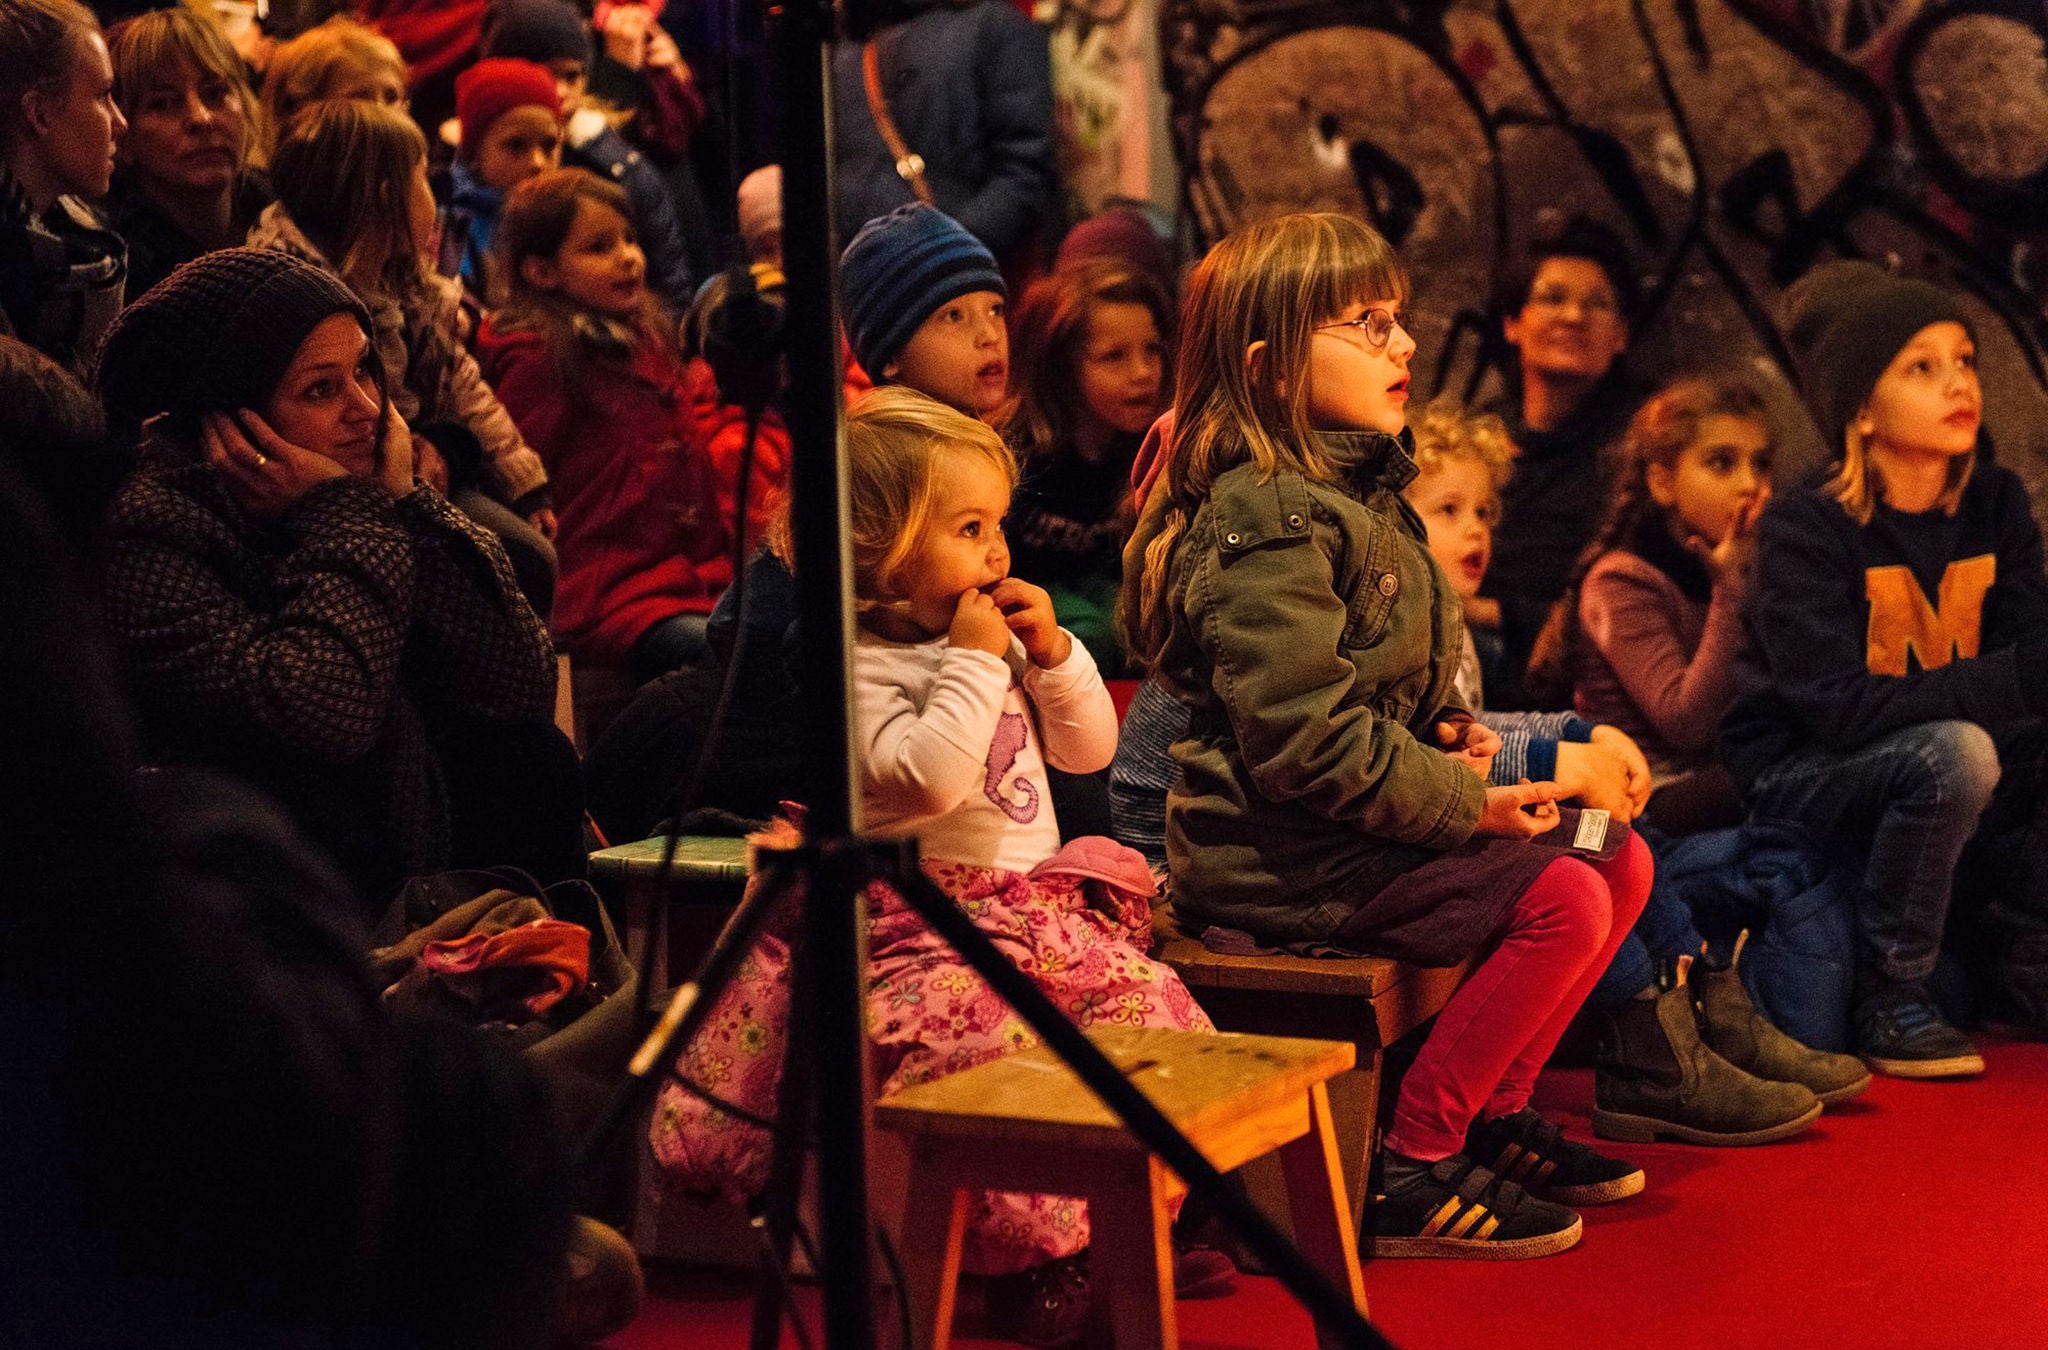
[(585, 359), (1333, 790)]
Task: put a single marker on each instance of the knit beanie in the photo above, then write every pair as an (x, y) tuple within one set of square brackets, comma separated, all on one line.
[(536, 30), (216, 335), (491, 88), (900, 268), (760, 203), (1123, 235), (1846, 321)]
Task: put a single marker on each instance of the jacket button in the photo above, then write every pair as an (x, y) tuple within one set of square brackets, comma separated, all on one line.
[(1389, 583), (1233, 539), (1294, 522)]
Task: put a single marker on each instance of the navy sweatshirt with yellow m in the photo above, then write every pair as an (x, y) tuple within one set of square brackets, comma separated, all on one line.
[(1856, 631)]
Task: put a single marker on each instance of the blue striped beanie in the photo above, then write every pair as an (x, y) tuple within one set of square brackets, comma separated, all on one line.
[(900, 268)]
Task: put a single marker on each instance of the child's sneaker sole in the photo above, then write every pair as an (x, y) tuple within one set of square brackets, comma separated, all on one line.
[(1955, 1066), (1628, 1129), (1480, 1249)]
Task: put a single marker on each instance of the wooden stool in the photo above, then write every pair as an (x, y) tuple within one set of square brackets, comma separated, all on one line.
[(1026, 1123), (1367, 1000), (709, 877)]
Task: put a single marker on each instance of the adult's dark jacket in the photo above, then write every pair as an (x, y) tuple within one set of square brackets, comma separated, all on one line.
[(369, 661), (1550, 508), (1856, 631), (969, 87), (158, 245)]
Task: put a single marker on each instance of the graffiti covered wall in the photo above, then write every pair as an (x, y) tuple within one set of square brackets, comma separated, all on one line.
[(1735, 143)]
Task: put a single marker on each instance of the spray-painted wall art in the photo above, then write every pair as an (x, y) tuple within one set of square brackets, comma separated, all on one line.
[(1735, 143)]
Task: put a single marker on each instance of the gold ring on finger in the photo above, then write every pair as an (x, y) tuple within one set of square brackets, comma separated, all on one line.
[(261, 460)]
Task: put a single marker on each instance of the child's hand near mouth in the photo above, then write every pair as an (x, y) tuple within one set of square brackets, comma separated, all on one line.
[(1028, 610)]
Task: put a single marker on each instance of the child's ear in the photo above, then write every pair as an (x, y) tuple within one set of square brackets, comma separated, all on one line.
[(1255, 365), (1663, 484), (539, 273)]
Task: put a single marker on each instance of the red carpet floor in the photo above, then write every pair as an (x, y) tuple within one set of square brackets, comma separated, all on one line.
[(1916, 1216)]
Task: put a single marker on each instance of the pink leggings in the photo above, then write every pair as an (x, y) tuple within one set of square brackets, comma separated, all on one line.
[(1494, 1035)]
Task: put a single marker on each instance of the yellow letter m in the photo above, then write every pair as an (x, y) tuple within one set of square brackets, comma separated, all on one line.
[(1901, 620)]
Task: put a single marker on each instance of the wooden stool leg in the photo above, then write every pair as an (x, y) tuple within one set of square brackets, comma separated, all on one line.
[(1322, 1212), (934, 1221), (1130, 1256)]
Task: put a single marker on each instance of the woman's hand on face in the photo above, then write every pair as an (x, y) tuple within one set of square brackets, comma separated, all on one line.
[(1028, 611), (429, 466), (266, 472), (1470, 742), (979, 625), (1623, 745), (400, 457), (1522, 811), (1730, 561)]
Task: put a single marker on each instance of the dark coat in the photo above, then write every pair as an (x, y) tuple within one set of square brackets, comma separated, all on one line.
[(970, 89), (354, 658), (1315, 641), (156, 245)]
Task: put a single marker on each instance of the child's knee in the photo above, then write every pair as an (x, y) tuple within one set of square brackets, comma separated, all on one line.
[(1571, 902), (1956, 768)]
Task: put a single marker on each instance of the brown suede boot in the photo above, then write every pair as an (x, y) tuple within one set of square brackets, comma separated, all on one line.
[(1655, 1076), (1731, 1025)]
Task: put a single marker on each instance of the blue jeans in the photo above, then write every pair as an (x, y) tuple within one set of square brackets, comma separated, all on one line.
[(1904, 806), (672, 644)]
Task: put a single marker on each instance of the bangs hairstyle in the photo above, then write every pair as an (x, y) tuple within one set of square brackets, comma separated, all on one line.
[(155, 48), (1049, 340), (40, 42), (895, 437), (1272, 282), (343, 169), (1661, 431), (310, 67), (1444, 430), (535, 223)]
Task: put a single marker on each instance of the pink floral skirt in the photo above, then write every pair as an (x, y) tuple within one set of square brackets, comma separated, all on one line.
[(1080, 937)]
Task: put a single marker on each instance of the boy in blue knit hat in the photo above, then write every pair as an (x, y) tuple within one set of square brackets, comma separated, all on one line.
[(924, 308)]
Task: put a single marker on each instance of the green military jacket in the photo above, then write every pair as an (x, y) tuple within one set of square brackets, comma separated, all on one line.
[(1314, 639)]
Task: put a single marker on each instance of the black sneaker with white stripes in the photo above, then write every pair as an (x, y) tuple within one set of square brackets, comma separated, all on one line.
[(1526, 1148), (1900, 1032), (1459, 1209)]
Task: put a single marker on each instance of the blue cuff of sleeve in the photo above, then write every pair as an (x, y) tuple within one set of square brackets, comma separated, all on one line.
[(1542, 760), (1576, 729)]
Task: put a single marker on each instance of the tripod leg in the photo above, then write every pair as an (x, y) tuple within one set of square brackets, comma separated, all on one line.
[(783, 1196)]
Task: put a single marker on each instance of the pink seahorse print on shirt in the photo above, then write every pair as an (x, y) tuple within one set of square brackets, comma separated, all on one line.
[(1012, 732)]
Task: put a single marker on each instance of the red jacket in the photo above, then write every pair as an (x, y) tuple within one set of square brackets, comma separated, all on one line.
[(642, 537), (722, 430)]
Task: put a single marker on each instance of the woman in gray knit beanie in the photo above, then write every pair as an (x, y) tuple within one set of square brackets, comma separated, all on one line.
[(297, 608)]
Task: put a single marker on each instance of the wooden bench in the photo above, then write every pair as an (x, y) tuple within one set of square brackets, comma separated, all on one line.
[(1025, 1122), (1368, 1001)]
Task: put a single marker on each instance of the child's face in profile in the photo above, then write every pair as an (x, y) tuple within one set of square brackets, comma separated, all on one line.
[(960, 355), (1119, 367), (524, 142), (572, 79), (1717, 477), (1458, 507), (961, 547), (1928, 401), (1356, 381)]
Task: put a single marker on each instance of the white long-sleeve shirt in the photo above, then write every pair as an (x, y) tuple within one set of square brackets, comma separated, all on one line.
[(954, 742)]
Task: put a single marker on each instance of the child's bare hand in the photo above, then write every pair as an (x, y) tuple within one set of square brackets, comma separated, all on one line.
[(1595, 776), (1730, 561), (1623, 745), (1520, 812), (1470, 742), (1028, 611), (979, 625)]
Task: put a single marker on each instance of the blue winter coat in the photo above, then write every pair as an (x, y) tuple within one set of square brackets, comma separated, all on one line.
[(970, 89)]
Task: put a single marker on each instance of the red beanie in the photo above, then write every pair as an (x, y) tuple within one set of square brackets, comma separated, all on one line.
[(491, 88)]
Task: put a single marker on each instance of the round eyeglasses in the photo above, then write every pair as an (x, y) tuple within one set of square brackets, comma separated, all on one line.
[(1377, 325)]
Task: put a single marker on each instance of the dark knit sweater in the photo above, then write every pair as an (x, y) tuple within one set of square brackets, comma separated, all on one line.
[(326, 656), (1857, 631)]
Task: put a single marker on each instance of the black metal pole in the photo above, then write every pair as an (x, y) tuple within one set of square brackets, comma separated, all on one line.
[(835, 929)]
